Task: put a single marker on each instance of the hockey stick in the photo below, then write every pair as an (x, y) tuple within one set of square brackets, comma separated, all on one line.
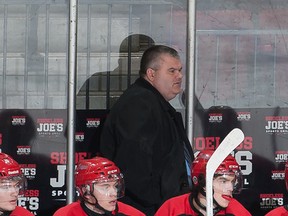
[(230, 142)]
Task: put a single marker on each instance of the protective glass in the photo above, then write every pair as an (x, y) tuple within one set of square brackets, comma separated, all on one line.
[(110, 187), (13, 184), (232, 181)]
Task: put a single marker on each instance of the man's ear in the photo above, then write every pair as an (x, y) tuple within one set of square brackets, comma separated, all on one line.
[(150, 73)]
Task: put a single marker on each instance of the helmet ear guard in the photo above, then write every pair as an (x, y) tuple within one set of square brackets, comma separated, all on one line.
[(199, 180), (84, 190), (87, 189)]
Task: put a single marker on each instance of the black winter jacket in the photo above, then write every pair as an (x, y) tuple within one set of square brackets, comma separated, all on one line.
[(140, 135)]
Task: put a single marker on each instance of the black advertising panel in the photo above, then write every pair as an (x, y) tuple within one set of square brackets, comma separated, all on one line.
[(262, 154), (37, 140)]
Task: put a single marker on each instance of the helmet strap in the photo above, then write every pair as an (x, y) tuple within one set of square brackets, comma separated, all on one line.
[(5, 213), (217, 208), (97, 206), (198, 206), (108, 213)]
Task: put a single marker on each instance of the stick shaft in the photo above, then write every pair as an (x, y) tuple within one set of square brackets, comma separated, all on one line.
[(230, 142)]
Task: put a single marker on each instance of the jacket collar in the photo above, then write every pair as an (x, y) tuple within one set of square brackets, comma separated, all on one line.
[(165, 104)]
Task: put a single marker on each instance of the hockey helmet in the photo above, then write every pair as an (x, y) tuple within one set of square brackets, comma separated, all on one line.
[(97, 170), (10, 170), (227, 167)]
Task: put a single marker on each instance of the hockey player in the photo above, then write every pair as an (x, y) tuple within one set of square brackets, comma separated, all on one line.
[(99, 183), (12, 184), (227, 179), (281, 210)]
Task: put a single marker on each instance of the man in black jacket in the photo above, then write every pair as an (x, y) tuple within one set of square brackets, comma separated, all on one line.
[(145, 136)]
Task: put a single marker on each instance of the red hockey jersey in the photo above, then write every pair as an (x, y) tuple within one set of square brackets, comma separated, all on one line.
[(180, 205), (20, 211), (280, 211), (75, 209)]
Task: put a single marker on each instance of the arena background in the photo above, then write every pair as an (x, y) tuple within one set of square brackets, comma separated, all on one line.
[(236, 67)]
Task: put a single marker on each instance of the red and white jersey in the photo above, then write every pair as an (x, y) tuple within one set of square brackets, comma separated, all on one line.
[(20, 211), (75, 209), (280, 211), (180, 205)]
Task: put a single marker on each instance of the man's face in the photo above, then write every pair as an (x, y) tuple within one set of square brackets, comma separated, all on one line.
[(9, 191), (223, 187), (168, 77), (106, 194)]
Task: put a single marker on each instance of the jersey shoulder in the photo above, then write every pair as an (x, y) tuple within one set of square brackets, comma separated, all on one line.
[(20, 211), (235, 207), (278, 211), (129, 210), (73, 209)]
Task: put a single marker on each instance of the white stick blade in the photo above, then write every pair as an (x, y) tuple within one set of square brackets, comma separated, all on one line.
[(230, 142)]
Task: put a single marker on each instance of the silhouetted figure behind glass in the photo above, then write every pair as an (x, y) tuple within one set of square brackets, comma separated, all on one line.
[(218, 121), (102, 89)]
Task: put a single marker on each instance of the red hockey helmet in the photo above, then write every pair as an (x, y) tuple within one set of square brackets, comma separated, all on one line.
[(11, 171), (98, 170), (228, 166)]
